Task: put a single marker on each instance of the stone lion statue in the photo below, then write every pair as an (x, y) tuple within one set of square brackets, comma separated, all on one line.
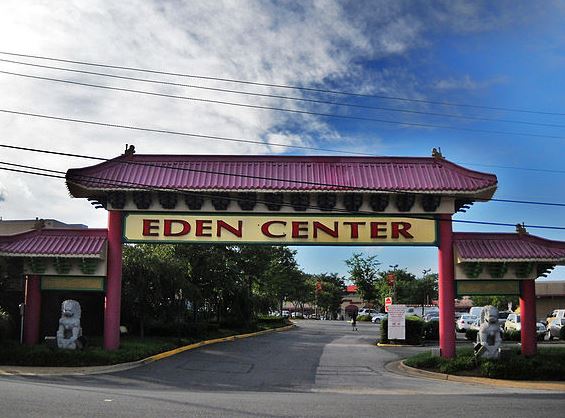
[(69, 333), (488, 337)]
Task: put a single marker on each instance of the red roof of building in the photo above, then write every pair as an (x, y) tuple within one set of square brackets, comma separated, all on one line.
[(55, 242), (476, 246), (275, 173), (351, 288)]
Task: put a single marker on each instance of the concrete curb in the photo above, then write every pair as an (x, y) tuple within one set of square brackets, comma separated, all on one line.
[(399, 345), (400, 367), (111, 368)]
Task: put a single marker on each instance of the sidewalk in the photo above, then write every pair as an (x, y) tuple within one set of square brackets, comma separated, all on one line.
[(112, 368)]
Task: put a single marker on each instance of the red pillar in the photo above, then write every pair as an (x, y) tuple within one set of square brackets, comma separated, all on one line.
[(528, 317), (446, 288), (32, 312), (113, 283)]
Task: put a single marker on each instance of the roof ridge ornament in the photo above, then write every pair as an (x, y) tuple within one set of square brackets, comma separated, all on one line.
[(521, 229), (130, 150), (436, 153)]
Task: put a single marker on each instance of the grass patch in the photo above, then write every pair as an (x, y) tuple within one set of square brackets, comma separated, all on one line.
[(548, 364), (131, 349)]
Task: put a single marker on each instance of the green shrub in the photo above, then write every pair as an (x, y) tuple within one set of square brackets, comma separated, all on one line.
[(364, 318), (431, 331), (548, 364), (511, 335), (471, 334), (5, 325), (414, 331)]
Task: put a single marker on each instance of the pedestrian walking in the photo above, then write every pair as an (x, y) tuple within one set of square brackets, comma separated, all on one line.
[(354, 321)]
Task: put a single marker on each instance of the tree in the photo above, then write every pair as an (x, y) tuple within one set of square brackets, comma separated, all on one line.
[(329, 293), (500, 302), (364, 273), (153, 280)]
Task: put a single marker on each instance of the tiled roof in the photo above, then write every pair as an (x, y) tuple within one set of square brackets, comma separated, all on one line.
[(351, 288), (507, 247), (289, 173), (55, 242)]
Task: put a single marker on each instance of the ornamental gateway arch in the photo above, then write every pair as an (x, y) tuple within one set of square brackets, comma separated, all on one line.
[(314, 200)]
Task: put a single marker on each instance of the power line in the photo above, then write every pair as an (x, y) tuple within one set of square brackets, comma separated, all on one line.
[(282, 109), (274, 96), (179, 133), (312, 183), (282, 86)]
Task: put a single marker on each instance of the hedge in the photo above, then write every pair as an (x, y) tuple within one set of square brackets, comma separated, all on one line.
[(414, 331), (364, 318), (431, 331)]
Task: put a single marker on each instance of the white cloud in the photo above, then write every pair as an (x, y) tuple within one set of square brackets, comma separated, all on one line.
[(310, 43)]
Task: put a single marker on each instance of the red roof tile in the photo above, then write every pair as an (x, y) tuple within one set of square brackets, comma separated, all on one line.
[(351, 288), (55, 242), (292, 173), (507, 247)]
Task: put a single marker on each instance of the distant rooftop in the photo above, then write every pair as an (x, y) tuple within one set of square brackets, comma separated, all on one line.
[(16, 226)]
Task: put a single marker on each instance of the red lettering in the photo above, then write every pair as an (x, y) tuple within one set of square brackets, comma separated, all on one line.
[(224, 225), (298, 227), (201, 226), (168, 227), (377, 228), (354, 228), (324, 228), (265, 229), (401, 228), (148, 226)]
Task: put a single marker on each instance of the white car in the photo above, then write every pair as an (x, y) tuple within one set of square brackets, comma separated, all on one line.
[(513, 323), (378, 317), (367, 311), (555, 327), (465, 322)]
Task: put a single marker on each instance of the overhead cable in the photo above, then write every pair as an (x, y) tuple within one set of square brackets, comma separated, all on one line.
[(276, 96), (282, 109), (282, 86)]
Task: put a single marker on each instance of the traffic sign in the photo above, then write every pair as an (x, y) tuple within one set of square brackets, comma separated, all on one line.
[(388, 302)]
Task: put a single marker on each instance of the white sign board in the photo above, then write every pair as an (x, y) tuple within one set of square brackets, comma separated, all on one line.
[(397, 322)]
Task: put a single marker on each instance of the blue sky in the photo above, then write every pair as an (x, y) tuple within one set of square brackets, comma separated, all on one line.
[(505, 54)]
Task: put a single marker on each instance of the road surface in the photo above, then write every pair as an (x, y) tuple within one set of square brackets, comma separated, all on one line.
[(320, 368)]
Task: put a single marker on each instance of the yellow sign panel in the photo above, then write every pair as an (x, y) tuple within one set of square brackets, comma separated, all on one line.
[(286, 229), (72, 283)]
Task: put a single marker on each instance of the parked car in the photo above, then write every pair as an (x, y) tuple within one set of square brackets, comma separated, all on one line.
[(502, 317), (556, 313), (285, 314), (431, 316), (367, 311), (476, 324), (476, 311), (541, 330), (464, 323), (513, 323), (378, 317), (555, 327)]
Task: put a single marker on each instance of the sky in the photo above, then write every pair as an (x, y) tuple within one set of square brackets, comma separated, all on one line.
[(492, 74)]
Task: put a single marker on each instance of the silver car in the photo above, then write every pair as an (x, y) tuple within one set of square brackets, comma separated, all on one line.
[(555, 327)]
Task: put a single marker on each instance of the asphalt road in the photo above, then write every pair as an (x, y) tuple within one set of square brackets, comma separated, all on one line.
[(322, 369)]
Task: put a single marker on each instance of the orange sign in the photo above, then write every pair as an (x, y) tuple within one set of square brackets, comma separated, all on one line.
[(310, 229)]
